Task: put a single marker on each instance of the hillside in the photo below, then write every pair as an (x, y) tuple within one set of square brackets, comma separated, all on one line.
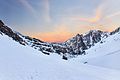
[(20, 62), (19, 59), (106, 54)]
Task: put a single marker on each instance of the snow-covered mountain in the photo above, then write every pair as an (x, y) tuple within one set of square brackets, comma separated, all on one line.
[(105, 54), (80, 43), (18, 62), (68, 49), (98, 60)]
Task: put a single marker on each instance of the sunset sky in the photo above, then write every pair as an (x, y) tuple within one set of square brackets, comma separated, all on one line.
[(59, 20)]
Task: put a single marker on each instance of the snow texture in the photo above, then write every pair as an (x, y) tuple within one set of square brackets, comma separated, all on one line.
[(18, 62)]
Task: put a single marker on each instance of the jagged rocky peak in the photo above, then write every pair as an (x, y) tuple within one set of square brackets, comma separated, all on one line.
[(94, 36), (76, 44), (93, 32), (81, 42), (78, 35)]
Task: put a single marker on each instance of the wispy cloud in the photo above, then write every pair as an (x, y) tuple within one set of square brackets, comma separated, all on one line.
[(96, 18), (28, 6), (36, 13), (104, 11), (111, 7), (113, 15), (46, 10)]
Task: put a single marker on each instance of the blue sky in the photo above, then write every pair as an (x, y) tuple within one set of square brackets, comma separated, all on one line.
[(48, 19)]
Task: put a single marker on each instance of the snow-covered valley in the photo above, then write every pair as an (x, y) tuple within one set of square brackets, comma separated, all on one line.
[(18, 62), (24, 58)]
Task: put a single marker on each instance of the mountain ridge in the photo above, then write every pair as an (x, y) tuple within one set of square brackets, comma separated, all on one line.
[(68, 49)]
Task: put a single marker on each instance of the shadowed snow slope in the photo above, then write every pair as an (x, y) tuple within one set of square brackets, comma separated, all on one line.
[(19, 62)]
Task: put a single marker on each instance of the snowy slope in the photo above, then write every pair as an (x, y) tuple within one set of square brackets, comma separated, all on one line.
[(19, 62), (106, 54), (111, 50)]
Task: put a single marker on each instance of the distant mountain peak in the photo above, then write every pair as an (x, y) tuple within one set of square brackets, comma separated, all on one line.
[(78, 35)]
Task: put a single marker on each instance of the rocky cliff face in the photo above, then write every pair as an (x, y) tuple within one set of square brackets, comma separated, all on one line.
[(80, 43), (68, 49)]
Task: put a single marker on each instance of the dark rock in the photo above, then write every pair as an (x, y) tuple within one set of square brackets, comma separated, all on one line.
[(1, 23), (7, 31), (64, 57), (85, 62), (46, 53)]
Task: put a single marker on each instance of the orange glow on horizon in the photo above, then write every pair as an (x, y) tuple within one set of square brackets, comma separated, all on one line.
[(62, 34), (53, 38), (59, 34)]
